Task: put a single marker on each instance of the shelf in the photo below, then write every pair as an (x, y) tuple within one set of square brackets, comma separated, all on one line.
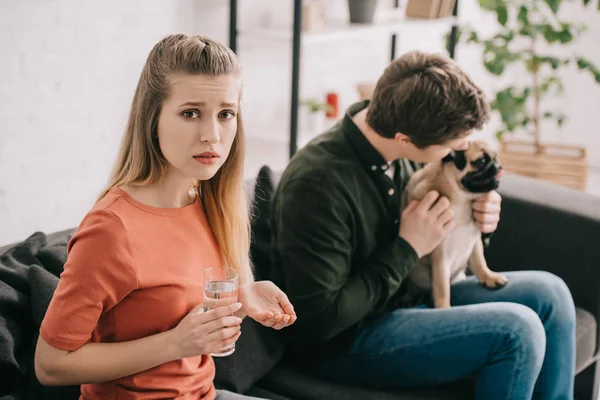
[(389, 23)]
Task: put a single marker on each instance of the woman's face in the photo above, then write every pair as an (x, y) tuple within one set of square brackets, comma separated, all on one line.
[(197, 123)]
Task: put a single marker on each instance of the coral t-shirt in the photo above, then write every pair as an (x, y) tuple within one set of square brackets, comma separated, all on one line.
[(133, 271)]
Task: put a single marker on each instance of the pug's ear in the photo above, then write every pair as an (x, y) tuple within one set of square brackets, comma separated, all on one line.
[(458, 157), (448, 158)]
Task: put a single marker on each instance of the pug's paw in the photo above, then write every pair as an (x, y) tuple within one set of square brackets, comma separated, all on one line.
[(494, 280)]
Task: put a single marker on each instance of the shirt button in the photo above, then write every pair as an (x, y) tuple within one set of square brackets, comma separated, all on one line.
[(391, 192), (373, 167)]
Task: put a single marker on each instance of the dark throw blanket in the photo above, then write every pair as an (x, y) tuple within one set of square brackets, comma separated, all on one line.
[(28, 277)]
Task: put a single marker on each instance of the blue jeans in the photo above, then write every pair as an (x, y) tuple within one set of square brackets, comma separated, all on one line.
[(517, 342)]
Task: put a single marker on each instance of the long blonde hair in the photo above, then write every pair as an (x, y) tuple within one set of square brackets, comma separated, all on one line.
[(140, 161)]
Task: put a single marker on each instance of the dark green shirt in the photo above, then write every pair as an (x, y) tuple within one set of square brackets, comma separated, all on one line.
[(336, 250)]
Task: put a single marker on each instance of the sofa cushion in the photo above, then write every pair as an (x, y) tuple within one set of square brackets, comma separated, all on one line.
[(261, 393), (296, 384), (585, 338), (264, 188), (257, 351)]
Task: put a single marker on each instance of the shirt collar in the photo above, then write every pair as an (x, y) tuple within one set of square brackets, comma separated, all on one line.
[(369, 157)]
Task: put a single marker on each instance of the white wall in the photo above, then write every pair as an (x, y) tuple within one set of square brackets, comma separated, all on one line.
[(69, 69)]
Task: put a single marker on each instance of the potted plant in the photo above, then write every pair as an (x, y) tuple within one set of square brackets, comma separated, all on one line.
[(361, 11), (526, 29), (313, 118)]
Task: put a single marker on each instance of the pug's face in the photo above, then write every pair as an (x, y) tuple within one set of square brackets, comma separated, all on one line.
[(477, 169)]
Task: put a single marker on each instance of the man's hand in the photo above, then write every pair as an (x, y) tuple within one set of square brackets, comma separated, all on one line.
[(486, 211), (424, 224)]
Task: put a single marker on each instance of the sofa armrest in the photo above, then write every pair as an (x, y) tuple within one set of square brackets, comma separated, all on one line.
[(551, 228)]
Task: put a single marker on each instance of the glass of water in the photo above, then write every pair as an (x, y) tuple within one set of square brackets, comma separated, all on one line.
[(220, 289)]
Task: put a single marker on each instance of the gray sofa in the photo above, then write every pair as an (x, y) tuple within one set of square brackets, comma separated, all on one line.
[(542, 227)]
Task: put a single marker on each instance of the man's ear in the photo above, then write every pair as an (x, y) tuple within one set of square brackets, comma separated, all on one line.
[(402, 138)]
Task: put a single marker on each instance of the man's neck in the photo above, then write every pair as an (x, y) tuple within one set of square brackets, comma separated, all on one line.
[(379, 143)]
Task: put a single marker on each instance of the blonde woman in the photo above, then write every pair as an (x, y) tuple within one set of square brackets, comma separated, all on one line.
[(126, 320)]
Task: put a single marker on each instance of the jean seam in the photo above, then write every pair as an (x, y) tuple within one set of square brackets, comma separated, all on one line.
[(512, 376), (425, 342)]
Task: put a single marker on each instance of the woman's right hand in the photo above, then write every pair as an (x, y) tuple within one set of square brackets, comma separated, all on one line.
[(202, 332)]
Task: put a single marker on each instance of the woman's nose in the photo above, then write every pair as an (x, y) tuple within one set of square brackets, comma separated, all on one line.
[(209, 132)]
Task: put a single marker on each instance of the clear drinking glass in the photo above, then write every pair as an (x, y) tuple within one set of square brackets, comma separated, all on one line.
[(220, 289)]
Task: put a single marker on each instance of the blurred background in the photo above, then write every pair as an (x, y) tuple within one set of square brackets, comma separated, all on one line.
[(69, 70)]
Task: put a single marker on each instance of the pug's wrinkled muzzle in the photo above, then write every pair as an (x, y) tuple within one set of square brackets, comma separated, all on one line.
[(484, 179)]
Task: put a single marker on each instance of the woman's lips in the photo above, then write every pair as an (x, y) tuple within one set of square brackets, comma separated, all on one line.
[(207, 158)]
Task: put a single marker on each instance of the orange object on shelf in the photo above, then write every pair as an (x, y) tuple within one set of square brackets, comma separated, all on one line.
[(332, 109)]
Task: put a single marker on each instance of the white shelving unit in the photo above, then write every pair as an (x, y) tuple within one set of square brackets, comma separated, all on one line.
[(389, 23)]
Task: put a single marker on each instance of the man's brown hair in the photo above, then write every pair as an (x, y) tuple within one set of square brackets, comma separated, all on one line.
[(428, 98)]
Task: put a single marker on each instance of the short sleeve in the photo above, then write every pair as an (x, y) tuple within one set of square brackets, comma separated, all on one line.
[(98, 274)]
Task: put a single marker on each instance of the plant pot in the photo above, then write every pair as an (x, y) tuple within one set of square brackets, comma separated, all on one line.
[(557, 163), (362, 11)]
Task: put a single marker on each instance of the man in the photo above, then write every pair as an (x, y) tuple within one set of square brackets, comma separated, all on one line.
[(342, 251)]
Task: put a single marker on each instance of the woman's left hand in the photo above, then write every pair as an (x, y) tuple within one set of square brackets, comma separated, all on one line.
[(265, 303)]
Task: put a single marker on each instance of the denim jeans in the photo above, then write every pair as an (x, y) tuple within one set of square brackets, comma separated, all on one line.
[(516, 342)]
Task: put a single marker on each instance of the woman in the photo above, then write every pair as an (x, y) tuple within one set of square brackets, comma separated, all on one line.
[(126, 320)]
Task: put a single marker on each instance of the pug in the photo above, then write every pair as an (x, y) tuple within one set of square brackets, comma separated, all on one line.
[(462, 176)]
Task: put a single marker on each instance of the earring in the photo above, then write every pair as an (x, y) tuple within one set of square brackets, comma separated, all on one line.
[(192, 192)]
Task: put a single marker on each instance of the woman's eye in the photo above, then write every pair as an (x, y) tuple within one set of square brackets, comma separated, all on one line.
[(226, 114), (190, 114)]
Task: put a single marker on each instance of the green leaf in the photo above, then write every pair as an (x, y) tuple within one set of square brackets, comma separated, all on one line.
[(586, 2), (502, 14), (565, 35), (500, 134), (544, 87), (549, 34), (561, 120), (553, 61), (522, 16), (552, 81), (554, 5), (548, 114), (527, 31), (510, 105), (582, 63), (487, 4)]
